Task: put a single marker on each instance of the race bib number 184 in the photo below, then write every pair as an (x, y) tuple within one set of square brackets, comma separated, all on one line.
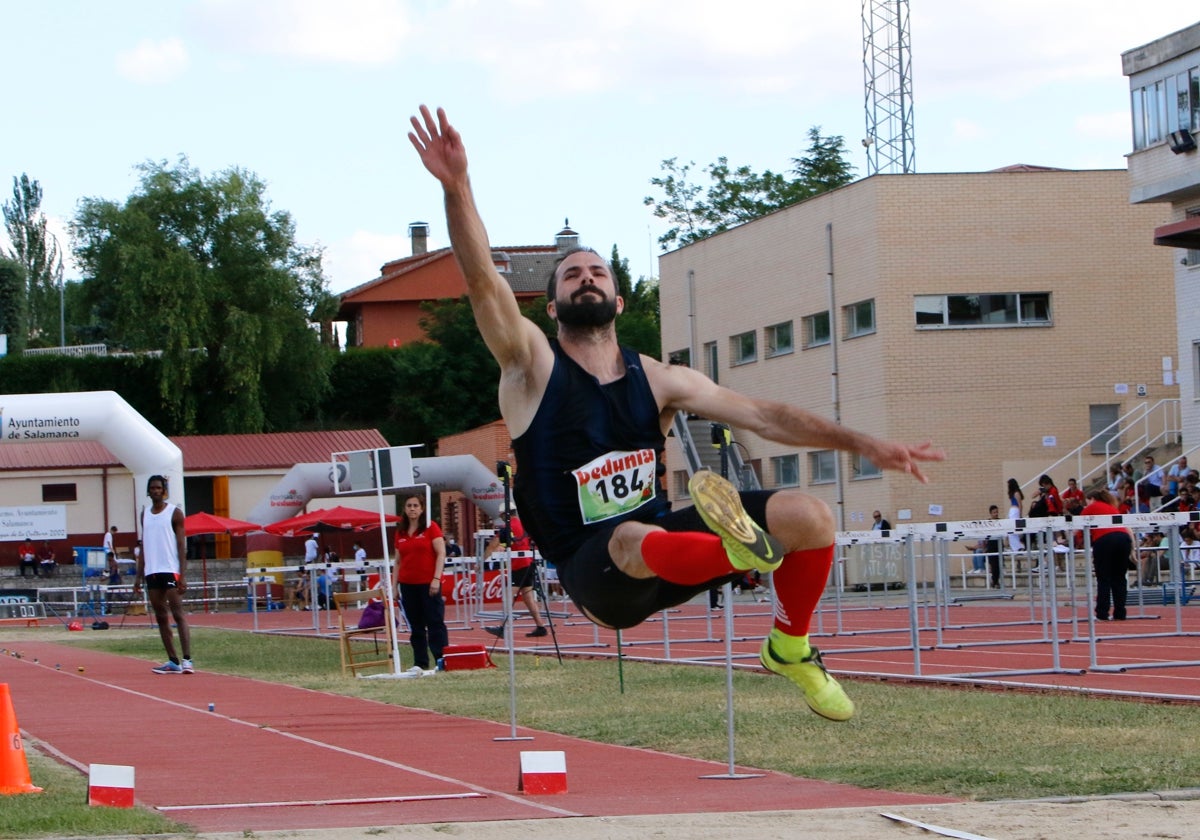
[(615, 484)]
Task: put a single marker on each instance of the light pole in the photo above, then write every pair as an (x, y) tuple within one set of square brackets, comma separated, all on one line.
[(62, 313)]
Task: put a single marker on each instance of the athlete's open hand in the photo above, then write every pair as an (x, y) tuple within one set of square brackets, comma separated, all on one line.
[(439, 145), (905, 457)]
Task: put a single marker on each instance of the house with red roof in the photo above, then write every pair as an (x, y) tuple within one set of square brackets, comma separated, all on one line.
[(386, 311)]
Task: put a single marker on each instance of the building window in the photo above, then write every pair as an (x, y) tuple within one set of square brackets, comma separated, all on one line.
[(1196, 368), (59, 493), (860, 318), (680, 357), (1163, 106), (779, 339), (822, 468), (743, 348), (816, 329), (1016, 309), (710, 361), (1105, 429), (863, 467), (681, 484), (786, 470)]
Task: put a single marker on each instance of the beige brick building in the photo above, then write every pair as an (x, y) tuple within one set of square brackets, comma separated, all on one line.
[(1005, 315), (1164, 171)]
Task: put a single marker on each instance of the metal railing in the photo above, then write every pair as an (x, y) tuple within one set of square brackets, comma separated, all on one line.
[(70, 350), (1146, 426)]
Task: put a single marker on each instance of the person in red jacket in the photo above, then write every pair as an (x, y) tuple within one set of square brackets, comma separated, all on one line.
[(420, 561), (1072, 498), (1111, 549)]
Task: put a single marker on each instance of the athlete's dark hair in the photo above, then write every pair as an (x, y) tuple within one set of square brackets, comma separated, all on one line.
[(552, 282), (166, 485)]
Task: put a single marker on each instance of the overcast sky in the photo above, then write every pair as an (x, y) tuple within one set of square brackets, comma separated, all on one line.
[(567, 108)]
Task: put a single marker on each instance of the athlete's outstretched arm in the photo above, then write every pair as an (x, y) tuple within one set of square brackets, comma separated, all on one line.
[(683, 389), (497, 314)]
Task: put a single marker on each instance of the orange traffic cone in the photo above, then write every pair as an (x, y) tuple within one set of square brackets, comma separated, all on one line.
[(14, 769)]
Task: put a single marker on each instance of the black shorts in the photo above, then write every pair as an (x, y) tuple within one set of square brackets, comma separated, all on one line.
[(617, 600), (162, 580), (525, 578)]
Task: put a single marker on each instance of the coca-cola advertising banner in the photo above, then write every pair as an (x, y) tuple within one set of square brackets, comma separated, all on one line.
[(459, 588)]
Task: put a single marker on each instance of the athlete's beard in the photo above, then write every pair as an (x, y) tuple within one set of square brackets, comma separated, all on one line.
[(586, 313)]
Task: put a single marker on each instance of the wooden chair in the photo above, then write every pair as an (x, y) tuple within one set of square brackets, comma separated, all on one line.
[(355, 654)]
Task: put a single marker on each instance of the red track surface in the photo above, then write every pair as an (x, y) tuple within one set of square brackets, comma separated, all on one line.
[(267, 743)]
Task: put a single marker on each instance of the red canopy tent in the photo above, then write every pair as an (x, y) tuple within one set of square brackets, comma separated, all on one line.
[(208, 523), (328, 519)]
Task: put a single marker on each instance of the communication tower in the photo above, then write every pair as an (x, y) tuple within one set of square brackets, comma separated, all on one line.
[(887, 76)]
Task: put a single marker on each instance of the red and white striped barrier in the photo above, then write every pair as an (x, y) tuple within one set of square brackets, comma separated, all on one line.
[(543, 771), (110, 784)]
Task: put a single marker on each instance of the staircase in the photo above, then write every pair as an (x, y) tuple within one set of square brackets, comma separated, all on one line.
[(1148, 429), (708, 455)]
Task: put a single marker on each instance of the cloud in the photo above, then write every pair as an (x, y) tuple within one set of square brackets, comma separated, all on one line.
[(356, 260), (359, 32), (153, 62), (964, 129), (530, 52), (1113, 125)]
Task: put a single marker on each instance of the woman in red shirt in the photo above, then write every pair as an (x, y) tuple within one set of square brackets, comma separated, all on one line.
[(1111, 549), (420, 559)]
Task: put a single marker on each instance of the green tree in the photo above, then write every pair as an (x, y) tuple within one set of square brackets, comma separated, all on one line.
[(638, 327), (737, 195), (12, 303), (36, 249), (203, 270)]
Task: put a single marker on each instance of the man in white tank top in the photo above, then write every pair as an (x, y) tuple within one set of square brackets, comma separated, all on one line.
[(160, 567)]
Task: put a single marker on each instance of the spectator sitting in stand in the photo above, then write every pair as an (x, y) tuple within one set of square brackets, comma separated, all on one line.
[(299, 594), (1148, 551), (1189, 550), (46, 560), (1116, 481), (28, 558), (1176, 473), (987, 552), (1186, 500), (1072, 498), (1128, 503)]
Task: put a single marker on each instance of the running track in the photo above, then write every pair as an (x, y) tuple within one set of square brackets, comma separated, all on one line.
[(268, 744), (267, 749)]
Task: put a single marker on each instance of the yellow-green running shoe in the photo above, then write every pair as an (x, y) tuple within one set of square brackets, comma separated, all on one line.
[(821, 691), (720, 506)]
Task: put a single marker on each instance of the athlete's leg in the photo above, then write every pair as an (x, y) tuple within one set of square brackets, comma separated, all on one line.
[(162, 616), (175, 601), (805, 526)]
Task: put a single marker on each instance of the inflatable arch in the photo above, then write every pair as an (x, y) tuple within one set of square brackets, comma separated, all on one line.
[(101, 416), (303, 482)]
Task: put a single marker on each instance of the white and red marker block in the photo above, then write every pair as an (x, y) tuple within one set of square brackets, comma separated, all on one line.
[(110, 784), (543, 771)]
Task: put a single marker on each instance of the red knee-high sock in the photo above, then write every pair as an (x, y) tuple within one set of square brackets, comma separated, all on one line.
[(799, 583), (686, 557)]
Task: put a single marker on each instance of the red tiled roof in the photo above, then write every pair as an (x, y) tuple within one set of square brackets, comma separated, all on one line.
[(394, 269), (201, 453), (1029, 167)]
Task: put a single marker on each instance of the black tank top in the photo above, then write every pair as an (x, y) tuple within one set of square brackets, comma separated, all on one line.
[(612, 429)]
